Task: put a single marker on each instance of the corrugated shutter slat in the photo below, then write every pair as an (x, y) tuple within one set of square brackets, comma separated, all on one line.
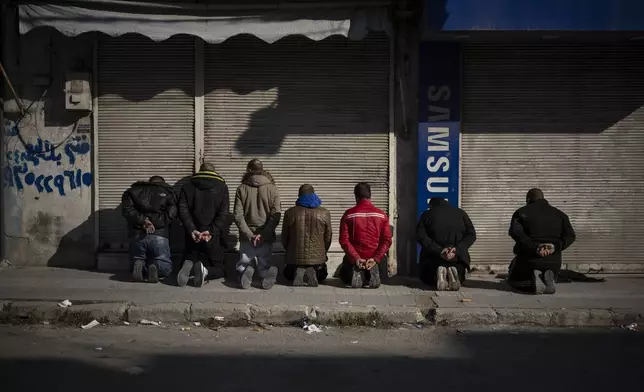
[(567, 119), (145, 121), (313, 112)]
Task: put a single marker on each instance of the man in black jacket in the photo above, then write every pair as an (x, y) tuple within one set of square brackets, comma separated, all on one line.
[(149, 207), (203, 209), (445, 234), (541, 233)]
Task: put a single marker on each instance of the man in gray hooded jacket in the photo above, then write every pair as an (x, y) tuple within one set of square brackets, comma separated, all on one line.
[(257, 214)]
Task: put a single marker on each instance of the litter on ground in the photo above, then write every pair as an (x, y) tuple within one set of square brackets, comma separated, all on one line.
[(65, 304), (148, 322), (92, 324)]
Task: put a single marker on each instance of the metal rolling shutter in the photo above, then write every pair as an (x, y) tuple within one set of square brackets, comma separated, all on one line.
[(313, 112), (564, 118), (145, 121)]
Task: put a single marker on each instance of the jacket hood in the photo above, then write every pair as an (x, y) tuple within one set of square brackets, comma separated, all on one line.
[(206, 180), (147, 183), (309, 201), (257, 180)]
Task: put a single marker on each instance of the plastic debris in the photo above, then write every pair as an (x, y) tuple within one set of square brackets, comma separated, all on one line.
[(219, 318), (354, 342), (466, 299), (98, 348), (197, 324), (185, 328), (126, 323), (45, 322), (148, 322), (631, 327), (310, 328), (92, 324), (343, 303), (65, 304)]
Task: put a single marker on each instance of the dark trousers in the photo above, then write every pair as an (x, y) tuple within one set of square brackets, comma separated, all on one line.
[(428, 270), (320, 270), (521, 271), (151, 249), (214, 260), (346, 271)]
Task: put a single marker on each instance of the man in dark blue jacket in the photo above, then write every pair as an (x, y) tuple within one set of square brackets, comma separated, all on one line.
[(149, 207), (203, 209), (541, 233)]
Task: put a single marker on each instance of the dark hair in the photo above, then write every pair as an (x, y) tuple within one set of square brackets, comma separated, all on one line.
[(362, 191), (533, 195), (306, 189), (436, 201), (255, 166), (157, 180), (207, 167)]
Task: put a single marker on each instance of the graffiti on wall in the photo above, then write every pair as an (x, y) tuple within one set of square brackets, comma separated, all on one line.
[(23, 166)]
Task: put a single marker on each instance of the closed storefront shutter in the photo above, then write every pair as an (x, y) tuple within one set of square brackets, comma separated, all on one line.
[(313, 112), (564, 118), (145, 121)]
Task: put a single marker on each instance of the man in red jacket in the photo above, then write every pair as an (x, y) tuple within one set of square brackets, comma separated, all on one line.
[(365, 237)]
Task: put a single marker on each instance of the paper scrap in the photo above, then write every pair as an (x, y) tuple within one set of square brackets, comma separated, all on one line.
[(65, 304), (219, 318), (148, 322), (93, 324), (197, 324)]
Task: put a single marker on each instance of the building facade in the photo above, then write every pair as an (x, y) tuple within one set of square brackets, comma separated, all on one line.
[(545, 94), (110, 94)]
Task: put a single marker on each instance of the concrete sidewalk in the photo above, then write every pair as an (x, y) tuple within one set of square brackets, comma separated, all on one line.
[(32, 294)]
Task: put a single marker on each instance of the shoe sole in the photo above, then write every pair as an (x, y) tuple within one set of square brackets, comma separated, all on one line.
[(312, 277), (298, 281), (153, 274), (441, 282), (184, 274), (137, 271), (539, 286), (247, 277), (549, 280), (374, 277), (452, 279), (200, 278), (269, 280), (357, 280)]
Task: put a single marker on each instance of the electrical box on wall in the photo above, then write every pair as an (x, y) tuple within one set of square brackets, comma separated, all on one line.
[(78, 95)]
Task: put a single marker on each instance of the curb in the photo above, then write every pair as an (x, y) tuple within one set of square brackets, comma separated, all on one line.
[(231, 315)]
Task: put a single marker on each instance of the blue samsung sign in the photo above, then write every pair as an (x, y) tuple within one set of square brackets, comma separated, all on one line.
[(439, 125), (515, 15)]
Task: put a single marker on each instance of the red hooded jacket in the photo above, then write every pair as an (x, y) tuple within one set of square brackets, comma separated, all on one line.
[(365, 232)]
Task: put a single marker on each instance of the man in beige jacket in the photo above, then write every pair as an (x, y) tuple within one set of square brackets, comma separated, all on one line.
[(257, 214)]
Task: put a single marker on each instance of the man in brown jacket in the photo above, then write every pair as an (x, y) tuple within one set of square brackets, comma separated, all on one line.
[(257, 214), (306, 236)]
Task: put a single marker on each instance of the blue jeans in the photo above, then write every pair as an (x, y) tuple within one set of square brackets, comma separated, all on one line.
[(248, 253), (154, 248)]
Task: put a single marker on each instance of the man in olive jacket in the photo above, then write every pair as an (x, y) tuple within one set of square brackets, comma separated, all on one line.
[(257, 214), (306, 236)]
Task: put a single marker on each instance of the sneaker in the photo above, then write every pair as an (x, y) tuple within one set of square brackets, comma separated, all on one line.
[(539, 286), (441, 279), (298, 281), (357, 279), (184, 273), (269, 280), (246, 278), (374, 277), (137, 271), (549, 280), (452, 279), (200, 274), (153, 274), (312, 277)]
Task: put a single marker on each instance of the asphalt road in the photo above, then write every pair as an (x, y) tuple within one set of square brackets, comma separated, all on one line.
[(137, 358)]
